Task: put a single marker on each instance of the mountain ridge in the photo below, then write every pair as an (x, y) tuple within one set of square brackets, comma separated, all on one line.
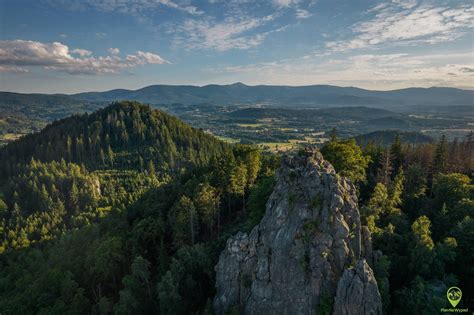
[(283, 95), (323, 95)]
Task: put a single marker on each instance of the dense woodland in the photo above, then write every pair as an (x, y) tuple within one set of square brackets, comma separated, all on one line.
[(126, 210), (417, 201)]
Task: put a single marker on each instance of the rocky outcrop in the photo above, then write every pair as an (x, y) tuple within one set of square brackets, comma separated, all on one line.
[(307, 254), (357, 292)]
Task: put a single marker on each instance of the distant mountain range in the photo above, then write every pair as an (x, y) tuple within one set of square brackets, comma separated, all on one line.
[(241, 94), (313, 95)]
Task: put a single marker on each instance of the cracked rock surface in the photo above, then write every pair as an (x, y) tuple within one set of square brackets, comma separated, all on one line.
[(307, 255)]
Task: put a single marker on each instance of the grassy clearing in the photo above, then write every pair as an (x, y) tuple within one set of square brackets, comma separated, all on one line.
[(228, 140), (269, 120), (250, 125), (10, 136), (277, 146)]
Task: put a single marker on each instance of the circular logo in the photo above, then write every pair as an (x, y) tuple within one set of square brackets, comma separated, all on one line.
[(454, 295)]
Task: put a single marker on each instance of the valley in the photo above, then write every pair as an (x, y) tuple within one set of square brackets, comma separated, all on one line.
[(253, 115)]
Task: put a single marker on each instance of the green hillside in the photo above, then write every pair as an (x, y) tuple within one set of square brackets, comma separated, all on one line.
[(124, 135)]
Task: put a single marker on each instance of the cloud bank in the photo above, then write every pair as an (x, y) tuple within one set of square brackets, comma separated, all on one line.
[(18, 55)]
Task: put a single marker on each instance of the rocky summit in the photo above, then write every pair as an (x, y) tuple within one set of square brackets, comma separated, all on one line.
[(308, 255)]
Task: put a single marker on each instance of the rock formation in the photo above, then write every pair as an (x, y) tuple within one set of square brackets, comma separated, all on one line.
[(307, 255)]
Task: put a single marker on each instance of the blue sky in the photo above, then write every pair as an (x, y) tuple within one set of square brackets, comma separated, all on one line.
[(67, 46)]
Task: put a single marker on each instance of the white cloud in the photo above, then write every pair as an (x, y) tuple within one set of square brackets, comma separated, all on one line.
[(403, 22), (142, 58), (15, 55), (13, 69), (133, 7), (82, 52), (114, 51), (407, 4), (100, 35), (231, 33), (285, 3), (302, 14)]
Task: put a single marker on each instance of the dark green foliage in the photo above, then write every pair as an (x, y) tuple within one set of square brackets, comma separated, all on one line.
[(187, 283), (258, 197), (421, 297), (385, 138), (112, 220), (418, 218), (45, 200), (326, 303), (347, 158), (463, 266), (440, 161), (381, 270), (132, 262)]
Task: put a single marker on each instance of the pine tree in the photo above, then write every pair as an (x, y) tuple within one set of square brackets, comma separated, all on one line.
[(151, 167), (396, 189), (440, 160), (207, 203), (397, 156), (238, 181), (141, 163), (183, 222), (74, 199), (421, 230), (110, 156), (333, 134), (102, 156), (385, 168)]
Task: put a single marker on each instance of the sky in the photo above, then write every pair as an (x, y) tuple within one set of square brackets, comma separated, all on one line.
[(69, 46)]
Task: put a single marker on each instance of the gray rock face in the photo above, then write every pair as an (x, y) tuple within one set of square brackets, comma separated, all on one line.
[(357, 292), (306, 255)]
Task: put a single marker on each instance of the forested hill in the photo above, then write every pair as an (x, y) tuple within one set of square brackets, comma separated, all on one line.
[(124, 135), (95, 220)]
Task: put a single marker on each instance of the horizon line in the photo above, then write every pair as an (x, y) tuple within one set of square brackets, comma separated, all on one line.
[(244, 84)]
